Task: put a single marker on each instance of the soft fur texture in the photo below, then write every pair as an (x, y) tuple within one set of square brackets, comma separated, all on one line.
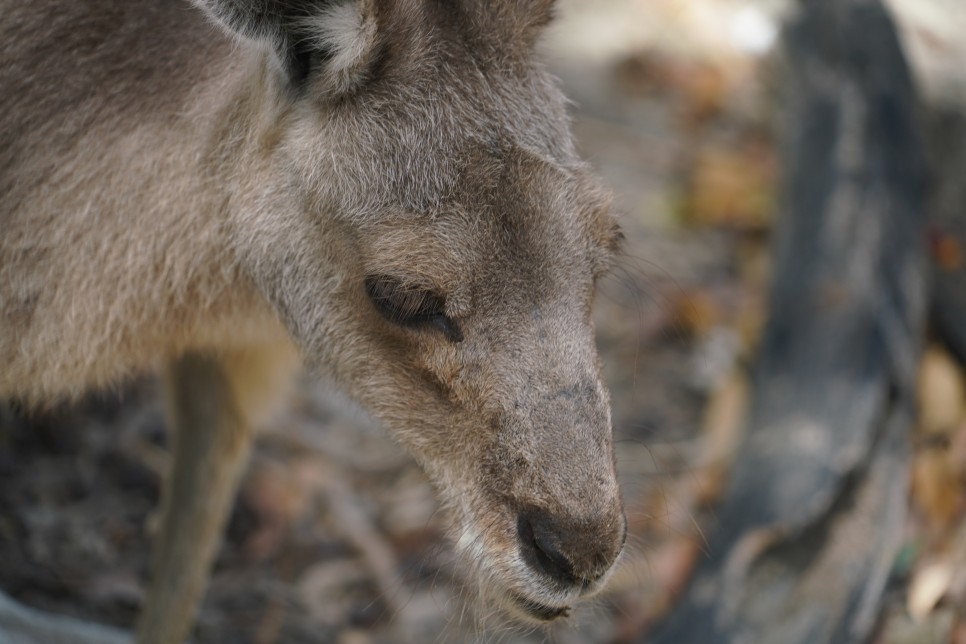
[(166, 188)]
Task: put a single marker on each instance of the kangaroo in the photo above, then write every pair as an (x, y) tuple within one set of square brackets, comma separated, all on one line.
[(387, 192)]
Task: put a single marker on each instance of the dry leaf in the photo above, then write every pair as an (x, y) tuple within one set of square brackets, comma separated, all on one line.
[(723, 423), (936, 488), (939, 466), (942, 393), (695, 313), (704, 89), (731, 186), (927, 589), (946, 250)]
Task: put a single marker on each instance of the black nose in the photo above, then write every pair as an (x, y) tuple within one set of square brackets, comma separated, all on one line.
[(571, 552)]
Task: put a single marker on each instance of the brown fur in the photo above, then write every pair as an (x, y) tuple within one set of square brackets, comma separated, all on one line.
[(170, 194)]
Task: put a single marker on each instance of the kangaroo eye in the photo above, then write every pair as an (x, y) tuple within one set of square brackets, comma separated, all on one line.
[(411, 306)]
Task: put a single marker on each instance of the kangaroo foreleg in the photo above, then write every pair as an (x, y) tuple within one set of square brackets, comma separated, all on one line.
[(211, 441)]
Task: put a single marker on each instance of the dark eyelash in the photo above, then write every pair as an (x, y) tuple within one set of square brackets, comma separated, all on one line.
[(401, 303), (410, 306)]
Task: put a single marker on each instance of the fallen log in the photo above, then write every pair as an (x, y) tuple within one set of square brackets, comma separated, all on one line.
[(811, 520)]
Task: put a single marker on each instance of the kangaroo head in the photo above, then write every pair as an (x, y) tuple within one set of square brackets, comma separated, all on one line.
[(406, 193)]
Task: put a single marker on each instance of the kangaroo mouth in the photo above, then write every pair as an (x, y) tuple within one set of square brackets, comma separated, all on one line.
[(536, 610)]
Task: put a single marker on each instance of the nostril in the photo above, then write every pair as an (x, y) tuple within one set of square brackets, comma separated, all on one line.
[(541, 553), (553, 562)]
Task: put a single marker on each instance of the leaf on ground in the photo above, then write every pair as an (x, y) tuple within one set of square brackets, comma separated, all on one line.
[(942, 392), (701, 88), (695, 313), (928, 587), (723, 426), (946, 250), (732, 186), (939, 467)]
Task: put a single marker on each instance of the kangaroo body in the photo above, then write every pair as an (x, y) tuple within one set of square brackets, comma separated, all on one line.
[(113, 249), (389, 190)]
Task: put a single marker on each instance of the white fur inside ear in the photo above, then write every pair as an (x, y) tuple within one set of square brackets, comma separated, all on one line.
[(348, 31)]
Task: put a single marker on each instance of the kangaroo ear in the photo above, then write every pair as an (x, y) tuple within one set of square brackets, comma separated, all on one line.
[(334, 39)]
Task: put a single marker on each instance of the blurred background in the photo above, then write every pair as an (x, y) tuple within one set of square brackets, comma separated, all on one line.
[(697, 113)]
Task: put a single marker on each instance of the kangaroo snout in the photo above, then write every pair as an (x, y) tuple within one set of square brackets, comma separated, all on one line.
[(572, 552), (557, 556), (547, 525), (538, 562)]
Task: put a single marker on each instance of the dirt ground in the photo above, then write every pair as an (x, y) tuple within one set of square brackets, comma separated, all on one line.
[(337, 535)]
